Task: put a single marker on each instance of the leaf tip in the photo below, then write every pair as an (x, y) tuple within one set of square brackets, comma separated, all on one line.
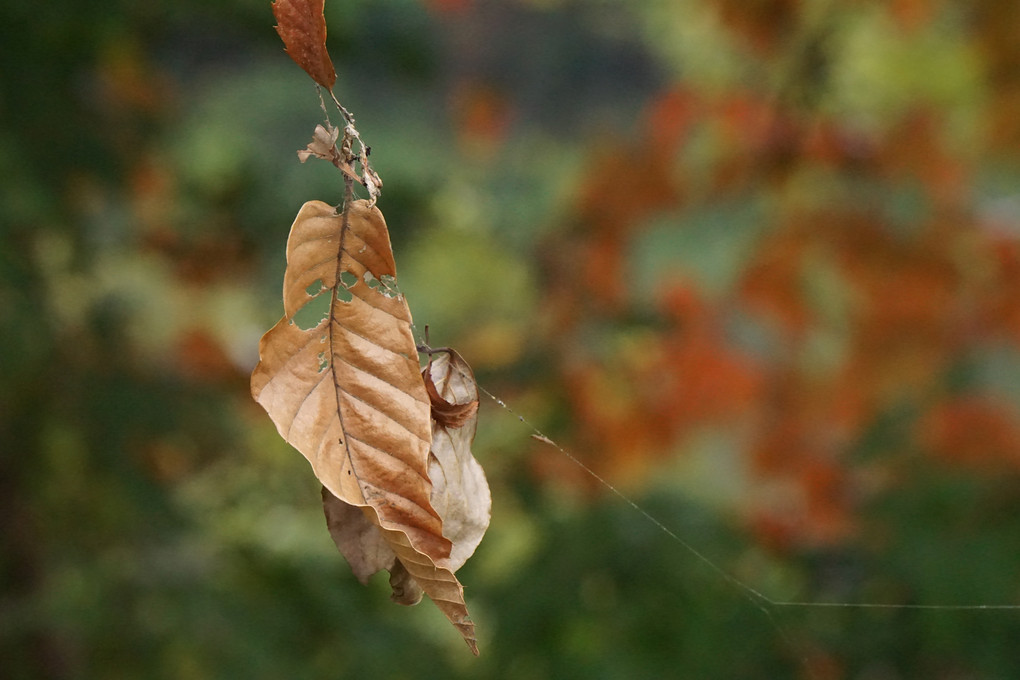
[(302, 27)]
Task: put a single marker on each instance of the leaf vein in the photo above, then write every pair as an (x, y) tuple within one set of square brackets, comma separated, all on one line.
[(428, 511), (378, 410), (337, 355), (302, 404)]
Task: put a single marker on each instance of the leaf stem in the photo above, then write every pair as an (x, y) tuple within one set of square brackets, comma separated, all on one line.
[(346, 114), (351, 154), (425, 349), (322, 104), (348, 196)]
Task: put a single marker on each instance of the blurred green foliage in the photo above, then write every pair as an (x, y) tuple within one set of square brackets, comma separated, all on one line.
[(154, 524)]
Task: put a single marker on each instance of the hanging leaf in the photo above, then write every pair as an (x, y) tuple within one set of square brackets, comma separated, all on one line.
[(342, 385), (302, 26), (460, 493)]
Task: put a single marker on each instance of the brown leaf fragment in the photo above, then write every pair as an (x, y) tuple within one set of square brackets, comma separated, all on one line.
[(371, 180), (348, 394), (460, 492), (302, 27), (323, 145), (406, 590)]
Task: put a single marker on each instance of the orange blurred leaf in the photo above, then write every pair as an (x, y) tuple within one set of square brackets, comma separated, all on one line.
[(973, 430)]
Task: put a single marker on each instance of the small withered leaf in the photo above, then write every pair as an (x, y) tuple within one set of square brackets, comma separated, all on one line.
[(302, 26), (460, 493), (323, 145)]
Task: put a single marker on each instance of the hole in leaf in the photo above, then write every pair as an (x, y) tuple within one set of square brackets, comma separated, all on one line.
[(313, 313), (323, 362), (348, 279), (315, 288), (390, 284), (385, 284)]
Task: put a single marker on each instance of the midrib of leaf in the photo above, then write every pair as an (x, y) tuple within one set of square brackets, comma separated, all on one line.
[(335, 322), (345, 227)]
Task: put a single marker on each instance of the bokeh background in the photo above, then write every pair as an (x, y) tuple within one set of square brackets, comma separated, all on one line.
[(754, 262)]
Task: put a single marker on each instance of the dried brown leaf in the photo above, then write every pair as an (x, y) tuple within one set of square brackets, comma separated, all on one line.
[(348, 394), (459, 491), (302, 26), (323, 145), (356, 537)]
